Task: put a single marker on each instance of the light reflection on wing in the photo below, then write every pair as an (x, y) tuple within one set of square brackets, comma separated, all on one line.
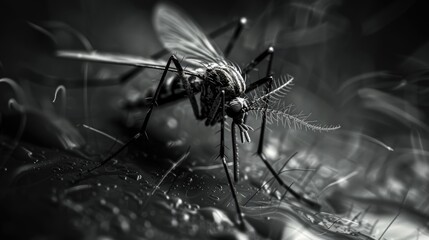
[(183, 37)]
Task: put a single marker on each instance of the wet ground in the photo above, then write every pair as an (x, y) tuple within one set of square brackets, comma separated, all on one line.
[(361, 65)]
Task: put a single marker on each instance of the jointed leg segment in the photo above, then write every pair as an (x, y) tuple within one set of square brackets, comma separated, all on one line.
[(267, 53), (151, 108), (268, 81), (222, 156)]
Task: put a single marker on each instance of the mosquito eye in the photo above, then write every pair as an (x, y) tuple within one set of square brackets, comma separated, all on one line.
[(235, 106)]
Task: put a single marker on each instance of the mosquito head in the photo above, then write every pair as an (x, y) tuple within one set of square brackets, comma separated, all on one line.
[(237, 109)]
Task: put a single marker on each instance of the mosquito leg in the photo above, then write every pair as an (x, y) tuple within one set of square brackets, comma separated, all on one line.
[(148, 114), (211, 117), (225, 28), (260, 153), (222, 156), (235, 152), (236, 34), (268, 81), (308, 202), (189, 91), (269, 52), (258, 83)]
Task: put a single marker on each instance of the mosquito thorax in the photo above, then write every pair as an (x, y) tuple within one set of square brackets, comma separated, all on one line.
[(218, 77), (226, 77)]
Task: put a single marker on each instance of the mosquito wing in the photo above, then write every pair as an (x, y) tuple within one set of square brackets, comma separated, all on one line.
[(110, 58), (120, 59), (183, 37)]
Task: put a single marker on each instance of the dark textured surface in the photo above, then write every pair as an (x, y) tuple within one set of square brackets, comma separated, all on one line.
[(360, 64)]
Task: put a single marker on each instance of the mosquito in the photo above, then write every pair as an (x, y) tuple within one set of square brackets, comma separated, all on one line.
[(220, 82)]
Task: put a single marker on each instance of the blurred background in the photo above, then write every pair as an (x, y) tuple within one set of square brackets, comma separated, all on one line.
[(359, 64)]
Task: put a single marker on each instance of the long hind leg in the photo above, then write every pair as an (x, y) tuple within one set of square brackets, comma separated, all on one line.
[(151, 108), (250, 87), (267, 80), (222, 156)]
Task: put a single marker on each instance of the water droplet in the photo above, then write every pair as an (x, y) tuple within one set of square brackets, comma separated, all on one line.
[(174, 222), (172, 123), (133, 216), (115, 210), (124, 224), (177, 201), (186, 217), (215, 215)]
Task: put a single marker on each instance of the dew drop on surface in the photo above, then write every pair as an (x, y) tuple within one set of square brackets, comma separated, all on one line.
[(271, 151), (172, 123), (186, 217), (177, 202), (133, 216), (215, 215), (174, 222), (147, 224), (139, 177), (115, 210), (124, 224)]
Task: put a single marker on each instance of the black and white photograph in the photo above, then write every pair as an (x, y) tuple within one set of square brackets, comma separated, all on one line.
[(236, 120)]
